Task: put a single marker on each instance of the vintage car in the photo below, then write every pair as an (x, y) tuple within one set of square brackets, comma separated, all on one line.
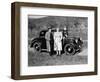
[(70, 45)]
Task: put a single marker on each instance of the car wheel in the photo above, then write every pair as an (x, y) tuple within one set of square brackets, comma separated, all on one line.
[(69, 49), (37, 46)]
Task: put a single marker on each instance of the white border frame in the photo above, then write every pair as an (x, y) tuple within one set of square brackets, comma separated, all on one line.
[(25, 70)]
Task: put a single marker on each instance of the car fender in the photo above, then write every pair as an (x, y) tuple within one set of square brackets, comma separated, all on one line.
[(33, 41)]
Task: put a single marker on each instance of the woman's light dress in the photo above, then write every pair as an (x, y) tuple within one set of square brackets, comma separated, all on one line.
[(58, 41)]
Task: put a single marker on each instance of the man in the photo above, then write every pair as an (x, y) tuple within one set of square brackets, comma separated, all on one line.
[(65, 33), (47, 37)]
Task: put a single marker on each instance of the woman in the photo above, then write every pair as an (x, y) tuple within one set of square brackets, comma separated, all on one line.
[(58, 41)]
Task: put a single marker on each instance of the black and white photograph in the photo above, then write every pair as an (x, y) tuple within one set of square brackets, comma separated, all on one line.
[(57, 40), (50, 40)]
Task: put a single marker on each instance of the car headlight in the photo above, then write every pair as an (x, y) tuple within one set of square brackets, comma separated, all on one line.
[(76, 40), (79, 46)]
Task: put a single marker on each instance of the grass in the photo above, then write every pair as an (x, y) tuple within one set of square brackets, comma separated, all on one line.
[(44, 59)]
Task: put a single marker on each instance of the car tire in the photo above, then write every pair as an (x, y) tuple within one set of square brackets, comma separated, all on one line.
[(37, 46), (69, 49)]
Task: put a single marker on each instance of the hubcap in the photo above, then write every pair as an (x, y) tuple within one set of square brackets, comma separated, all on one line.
[(37, 46), (69, 49)]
